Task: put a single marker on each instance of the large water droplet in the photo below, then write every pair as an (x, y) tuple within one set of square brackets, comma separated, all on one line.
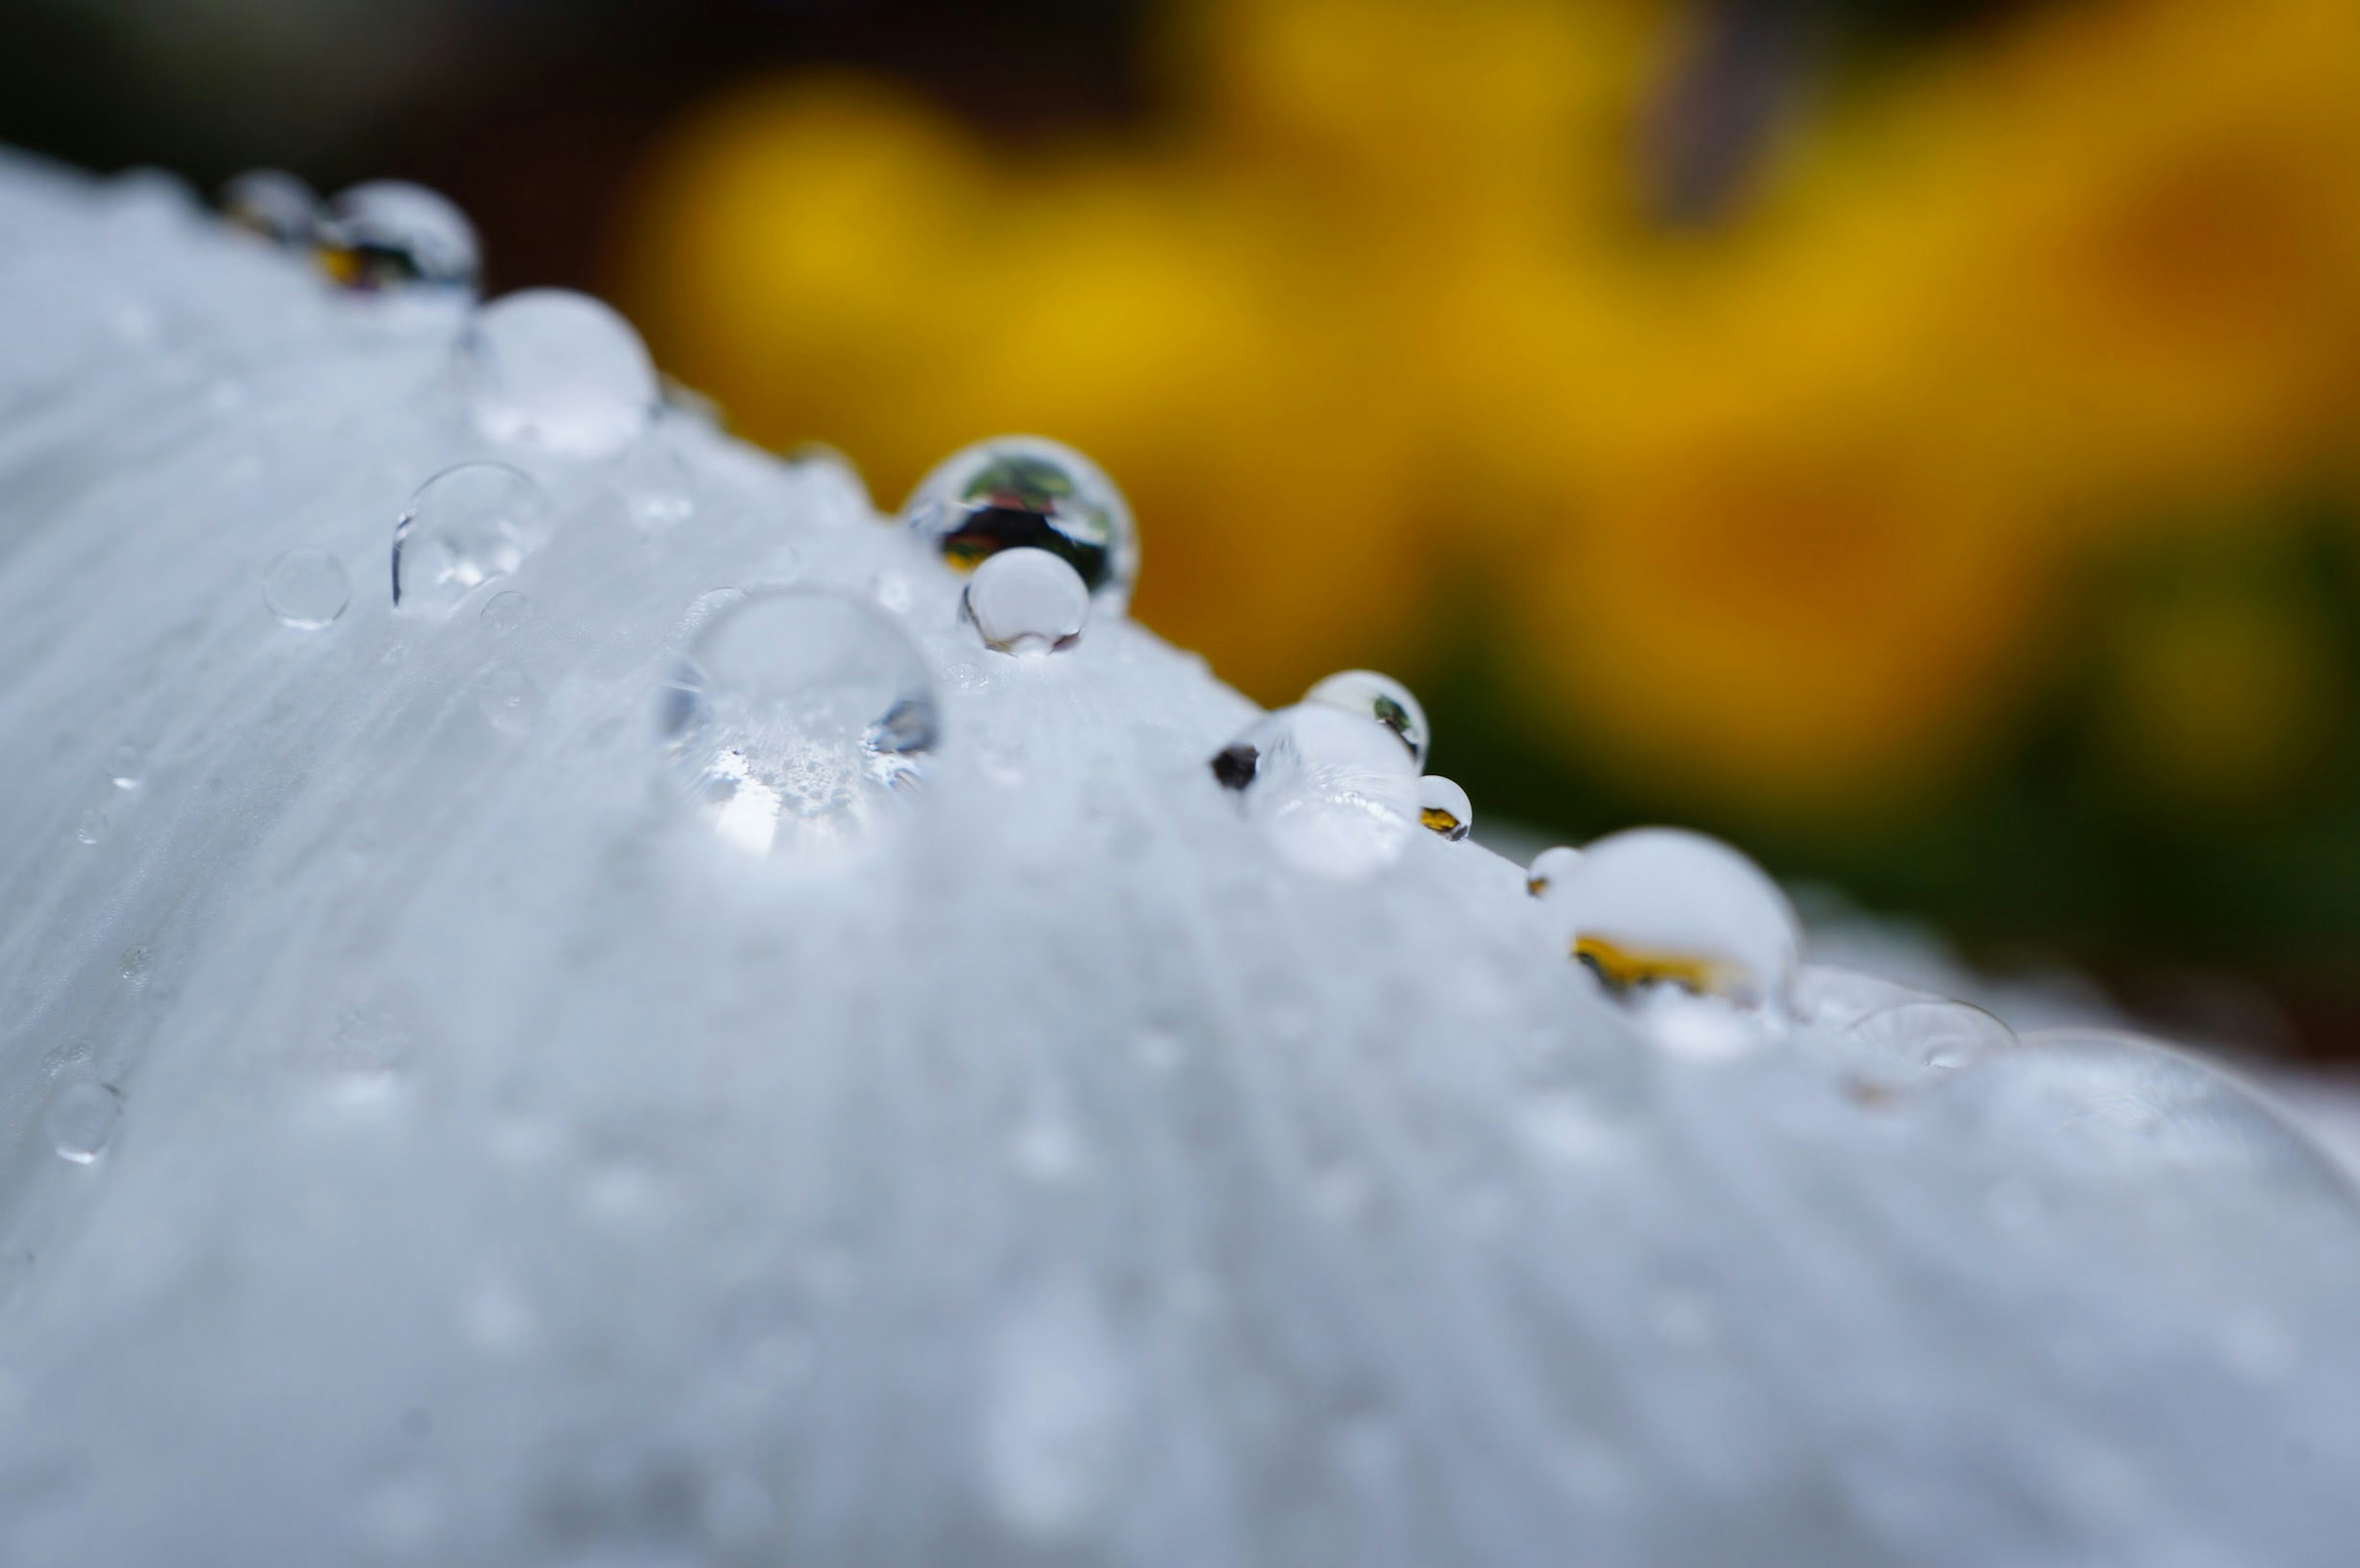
[(1028, 602), (560, 371), (794, 716), (1664, 906), (274, 204), (1378, 697), (79, 1119), (1023, 491), (391, 236), (1442, 806), (1336, 795), (465, 526), (306, 588)]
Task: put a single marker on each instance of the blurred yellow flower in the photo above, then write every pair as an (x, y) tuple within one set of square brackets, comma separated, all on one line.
[(1776, 511)]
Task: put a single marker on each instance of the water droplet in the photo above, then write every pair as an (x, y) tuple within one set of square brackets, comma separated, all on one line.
[(509, 700), (127, 765), (90, 827), (1017, 491), (560, 371), (506, 611), (1336, 795), (1935, 1035), (1028, 602), (1378, 697), (307, 588), (794, 716), (1663, 906), (658, 487), (79, 1119), (1547, 868), (465, 526), (274, 204), (392, 236), (1443, 808)]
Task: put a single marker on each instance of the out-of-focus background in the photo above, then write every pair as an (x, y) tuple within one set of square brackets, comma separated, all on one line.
[(1917, 439)]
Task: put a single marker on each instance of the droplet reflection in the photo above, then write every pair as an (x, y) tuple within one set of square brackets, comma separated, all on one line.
[(1016, 492), (390, 236), (465, 526)]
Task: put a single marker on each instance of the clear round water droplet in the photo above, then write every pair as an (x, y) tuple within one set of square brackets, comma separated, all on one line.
[(1336, 795), (558, 371), (1901, 1046), (274, 204), (127, 765), (306, 588), (506, 611), (657, 485), (1549, 868), (1663, 906), (1378, 697), (509, 700), (1015, 492), (796, 716), (90, 827), (390, 236), (465, 526), (1443, 808), (78, 1120), (1028, 602)]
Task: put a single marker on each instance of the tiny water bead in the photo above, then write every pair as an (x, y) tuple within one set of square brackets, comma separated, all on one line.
[(1028, 602), (1335, 795), (465, 526), (559, 371), (1548, 867), (1013, 492), (1443, 808), (127, 765), (89, 827), (794, 716), (1664, 906), (274, 204), (1378, 697), (78, 1120), (306, 588), (506, 611), (390, 236)]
